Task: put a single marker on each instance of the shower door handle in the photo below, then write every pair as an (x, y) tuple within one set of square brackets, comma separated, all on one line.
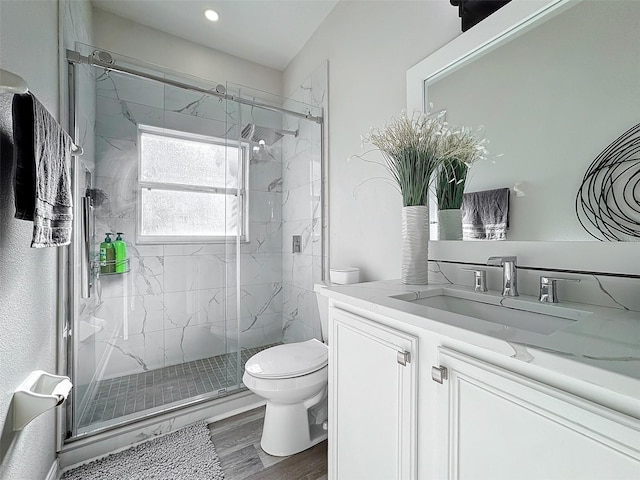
[(85, 247)]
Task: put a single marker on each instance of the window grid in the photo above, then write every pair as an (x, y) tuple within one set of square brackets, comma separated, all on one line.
[(237, 208)]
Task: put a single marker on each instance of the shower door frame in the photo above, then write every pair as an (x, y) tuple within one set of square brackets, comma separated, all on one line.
[(68, 275), (219, 91)]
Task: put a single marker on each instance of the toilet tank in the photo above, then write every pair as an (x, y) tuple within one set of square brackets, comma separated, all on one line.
[(323, 308), (343, 276)]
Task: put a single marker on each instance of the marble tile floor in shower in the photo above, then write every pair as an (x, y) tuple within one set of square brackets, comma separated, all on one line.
[(237, 442), (129, 394)]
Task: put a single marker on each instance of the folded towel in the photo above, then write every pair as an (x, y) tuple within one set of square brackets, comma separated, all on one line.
[(43, 172), (485, 215)]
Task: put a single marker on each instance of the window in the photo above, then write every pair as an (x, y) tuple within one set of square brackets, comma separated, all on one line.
[(191, 188)]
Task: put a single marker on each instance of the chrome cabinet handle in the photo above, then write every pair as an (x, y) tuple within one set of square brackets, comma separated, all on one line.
[(403, 358), (439, 374)]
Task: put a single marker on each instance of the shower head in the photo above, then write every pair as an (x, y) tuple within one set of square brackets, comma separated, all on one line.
[(256, 133)]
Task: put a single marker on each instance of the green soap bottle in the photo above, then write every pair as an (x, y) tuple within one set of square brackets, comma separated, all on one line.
[(107, 255), (121, 254)]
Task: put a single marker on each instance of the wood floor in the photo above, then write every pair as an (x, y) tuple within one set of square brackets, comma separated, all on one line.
[(237, 441)]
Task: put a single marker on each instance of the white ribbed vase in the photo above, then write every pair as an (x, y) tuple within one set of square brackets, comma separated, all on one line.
[(450, 223), (415, 245)]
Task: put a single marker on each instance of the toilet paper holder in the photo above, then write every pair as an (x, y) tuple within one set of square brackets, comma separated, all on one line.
[(39, 392)]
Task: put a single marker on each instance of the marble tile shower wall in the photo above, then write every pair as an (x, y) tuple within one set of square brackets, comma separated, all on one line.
[(302, 195), (178, 302)]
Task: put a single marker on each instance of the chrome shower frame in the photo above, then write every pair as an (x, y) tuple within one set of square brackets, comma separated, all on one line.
[(75, 254), (219, 91)]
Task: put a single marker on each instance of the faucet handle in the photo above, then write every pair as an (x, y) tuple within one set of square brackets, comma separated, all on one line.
[(476, 270), (479, 277), (548, 288), (501, 260), (545, 279)]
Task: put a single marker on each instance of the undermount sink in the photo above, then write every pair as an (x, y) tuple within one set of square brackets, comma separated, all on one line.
[(543, 319)]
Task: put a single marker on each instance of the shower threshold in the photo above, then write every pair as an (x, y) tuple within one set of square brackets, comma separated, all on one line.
[(119, 399)]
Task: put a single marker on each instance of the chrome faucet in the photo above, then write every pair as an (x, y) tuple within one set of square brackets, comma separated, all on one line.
[(549, 290), (509, 274), (479, 279)]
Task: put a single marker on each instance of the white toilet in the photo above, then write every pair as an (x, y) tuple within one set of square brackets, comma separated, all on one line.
[(293, 378)]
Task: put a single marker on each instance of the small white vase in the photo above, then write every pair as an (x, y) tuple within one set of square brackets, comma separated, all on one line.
[(450, 224), (415, 245)]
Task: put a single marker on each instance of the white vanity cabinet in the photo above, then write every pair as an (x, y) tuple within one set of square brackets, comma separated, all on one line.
[(372, 400), (491, 417), (495, 424)]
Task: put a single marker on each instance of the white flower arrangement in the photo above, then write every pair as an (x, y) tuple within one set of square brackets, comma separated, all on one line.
[(416, 147)]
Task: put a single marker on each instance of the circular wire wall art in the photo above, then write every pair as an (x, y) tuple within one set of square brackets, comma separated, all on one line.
[(608, 201)]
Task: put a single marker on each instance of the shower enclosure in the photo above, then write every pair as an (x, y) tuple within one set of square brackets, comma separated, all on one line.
[(217, 191)]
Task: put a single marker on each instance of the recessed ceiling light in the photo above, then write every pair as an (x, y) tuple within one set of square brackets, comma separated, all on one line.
[(211, 15)]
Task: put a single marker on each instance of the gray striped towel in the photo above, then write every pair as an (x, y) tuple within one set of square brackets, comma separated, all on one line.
[(485, 215), (43, 172)]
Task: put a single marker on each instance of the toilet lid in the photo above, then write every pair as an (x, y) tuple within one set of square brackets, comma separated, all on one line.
[(288, 360)]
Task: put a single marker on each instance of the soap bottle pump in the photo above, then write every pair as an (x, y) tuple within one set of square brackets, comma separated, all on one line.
[(107, 255), (120, 253)]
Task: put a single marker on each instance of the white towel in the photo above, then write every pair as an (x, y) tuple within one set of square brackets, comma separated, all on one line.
[(43, 172)]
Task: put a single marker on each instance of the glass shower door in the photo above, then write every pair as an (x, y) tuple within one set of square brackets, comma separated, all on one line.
[(209, 195), (165, 173), (256, 287), (284, 256)]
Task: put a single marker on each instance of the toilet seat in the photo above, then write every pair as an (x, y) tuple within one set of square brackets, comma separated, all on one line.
[(281, 389), (288, 360)]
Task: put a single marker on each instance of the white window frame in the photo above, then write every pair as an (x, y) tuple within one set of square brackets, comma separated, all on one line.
[(241, 191)]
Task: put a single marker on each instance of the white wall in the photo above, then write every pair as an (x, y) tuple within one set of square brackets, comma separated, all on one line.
[(369, 46), (120, 35), (29, 47)]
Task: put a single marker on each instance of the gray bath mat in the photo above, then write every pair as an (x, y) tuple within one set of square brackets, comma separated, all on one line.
[(187, 454)]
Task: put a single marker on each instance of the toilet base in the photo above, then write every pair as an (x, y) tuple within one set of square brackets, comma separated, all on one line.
[(287, 431)]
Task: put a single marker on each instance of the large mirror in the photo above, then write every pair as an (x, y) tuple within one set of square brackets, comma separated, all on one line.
[(550, 100)]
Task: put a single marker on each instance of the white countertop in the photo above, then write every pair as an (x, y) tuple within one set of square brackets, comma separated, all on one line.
[(601, 347)]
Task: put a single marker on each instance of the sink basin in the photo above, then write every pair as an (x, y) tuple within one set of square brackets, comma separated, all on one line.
[(508, 312)]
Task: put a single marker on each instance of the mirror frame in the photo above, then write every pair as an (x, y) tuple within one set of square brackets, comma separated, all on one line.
[(511, 21)]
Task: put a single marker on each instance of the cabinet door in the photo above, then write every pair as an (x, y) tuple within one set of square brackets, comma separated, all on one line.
[(372, 407), (495, 424)]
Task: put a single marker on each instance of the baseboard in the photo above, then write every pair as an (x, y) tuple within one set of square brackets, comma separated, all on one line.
[(54, 471), (250, 404), (90, 448)]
